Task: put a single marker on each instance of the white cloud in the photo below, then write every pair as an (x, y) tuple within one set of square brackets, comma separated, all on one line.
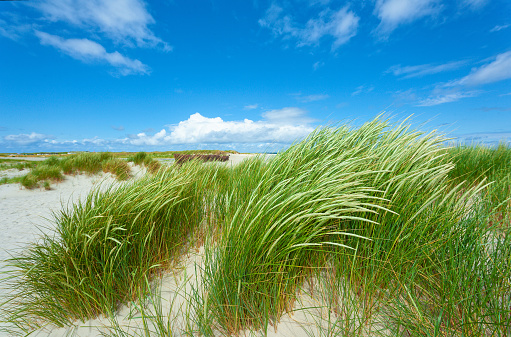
[(311, 98), (124, 21), (200, 129), (280, 126), (251, 107), (15, 28), (498, 70), (424, 69), (25, 139), (341, 25), (491, 138), (446, 98), (499, 28), (362, 89), (90, 51), (393, 13), (474, 4), (289, 116), (318, 65)]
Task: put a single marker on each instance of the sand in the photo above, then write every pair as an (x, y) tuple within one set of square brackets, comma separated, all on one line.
[(24, 214)]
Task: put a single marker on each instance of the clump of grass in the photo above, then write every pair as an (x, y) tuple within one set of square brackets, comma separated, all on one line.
[(152, 165), (90, 163), (40, 173), (142, 158), (138, 158), (117, 167), (47, 185), (29, 181), (13, 180), (105, 247), (476, 163)]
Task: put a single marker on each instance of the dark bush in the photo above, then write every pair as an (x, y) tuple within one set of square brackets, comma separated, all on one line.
[(183, 158)]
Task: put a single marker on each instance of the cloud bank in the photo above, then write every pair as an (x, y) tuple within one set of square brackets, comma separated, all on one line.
[(280, 126)]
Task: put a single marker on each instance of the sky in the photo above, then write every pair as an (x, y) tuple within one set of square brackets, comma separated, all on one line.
[(251, 76)]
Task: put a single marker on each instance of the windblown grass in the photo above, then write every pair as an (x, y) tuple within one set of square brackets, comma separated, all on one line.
[(144, 159), (386, 229), (117, 167), (53, 168), (476, 163), (104, 249), (42, 172)]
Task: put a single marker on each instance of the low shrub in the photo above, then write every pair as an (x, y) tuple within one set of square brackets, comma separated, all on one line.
[(183, 158), (153, 166)]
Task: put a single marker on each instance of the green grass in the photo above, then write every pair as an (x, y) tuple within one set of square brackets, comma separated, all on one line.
[(7, 164), (53, 168), (147, 160), (387, 230), (118, 168)]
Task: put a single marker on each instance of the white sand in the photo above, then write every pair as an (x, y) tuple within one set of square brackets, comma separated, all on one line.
[(22, 213)]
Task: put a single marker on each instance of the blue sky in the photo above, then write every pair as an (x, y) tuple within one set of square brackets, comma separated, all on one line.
[(246, 75)]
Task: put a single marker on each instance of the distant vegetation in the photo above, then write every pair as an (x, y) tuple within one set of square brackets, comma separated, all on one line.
[(389, 232), (183, 158), (52, 169), (7, 164)]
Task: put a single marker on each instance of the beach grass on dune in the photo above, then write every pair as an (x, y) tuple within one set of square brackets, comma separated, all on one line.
[(147, 160), (388, 230), (105, 247)]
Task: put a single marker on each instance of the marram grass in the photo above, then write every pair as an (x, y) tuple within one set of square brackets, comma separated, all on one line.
[(397, 234)]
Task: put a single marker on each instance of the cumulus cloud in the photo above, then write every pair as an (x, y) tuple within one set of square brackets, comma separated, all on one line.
[(279, 126), (393, 13), (424, 69), (124, 21), (89, 51), (199, 129), (497, 70), (340, 25), (251, 107)]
